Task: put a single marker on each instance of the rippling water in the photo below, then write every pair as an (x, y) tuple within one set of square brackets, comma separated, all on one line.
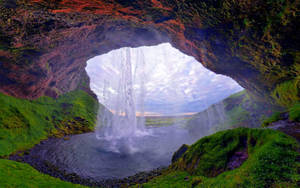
[(91, 158)]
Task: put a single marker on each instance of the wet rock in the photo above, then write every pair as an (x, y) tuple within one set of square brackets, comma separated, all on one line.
[(237, 159), (48, 43), (9, 4), (291, 128), (179, 153)]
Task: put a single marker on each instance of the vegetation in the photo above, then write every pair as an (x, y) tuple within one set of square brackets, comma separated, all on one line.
[(275, 117), (256, 34), (287, 93), (271, 161), (174, 179), (240, 110), (294, 112), (239, 107), (23, 123), (15, 174), (255, 41), (160, 121)]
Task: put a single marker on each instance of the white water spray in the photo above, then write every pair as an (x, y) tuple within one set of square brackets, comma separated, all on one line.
[(121, 125)]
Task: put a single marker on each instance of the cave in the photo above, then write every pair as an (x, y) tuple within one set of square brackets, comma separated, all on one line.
[(46, 93), (75, 32)]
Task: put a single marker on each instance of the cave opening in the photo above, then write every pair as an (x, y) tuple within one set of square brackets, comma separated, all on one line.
[(148, 96), (152, 99)]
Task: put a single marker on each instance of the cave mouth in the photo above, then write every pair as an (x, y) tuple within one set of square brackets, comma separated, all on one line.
[(171, 79), (148, 95)]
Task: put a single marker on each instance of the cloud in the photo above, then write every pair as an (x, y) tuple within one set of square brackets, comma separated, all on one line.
[(170, 77)]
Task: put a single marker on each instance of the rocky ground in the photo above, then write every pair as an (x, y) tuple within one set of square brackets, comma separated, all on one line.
[(288, 127)]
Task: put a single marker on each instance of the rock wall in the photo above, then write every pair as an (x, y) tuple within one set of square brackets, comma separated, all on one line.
[(44, 44)]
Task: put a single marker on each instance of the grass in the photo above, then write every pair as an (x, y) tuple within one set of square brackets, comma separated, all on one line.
[(293, 115), (236, 113), (271, 162), (174, 179), (287, 93), (23, 123), (240, 110), (15, 174), (294, 112), (275, 117), (161, 121), (237, 116)]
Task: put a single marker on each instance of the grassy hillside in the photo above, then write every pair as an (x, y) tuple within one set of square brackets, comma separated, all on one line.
[(270, 160), (242, 111), (237, 110), (24, 123), (292, 113), (14, 174)]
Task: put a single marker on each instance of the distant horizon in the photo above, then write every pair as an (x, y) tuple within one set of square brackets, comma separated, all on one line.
[(155, 114)]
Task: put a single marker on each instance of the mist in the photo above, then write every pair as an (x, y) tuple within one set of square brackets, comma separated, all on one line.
[(174, 83)]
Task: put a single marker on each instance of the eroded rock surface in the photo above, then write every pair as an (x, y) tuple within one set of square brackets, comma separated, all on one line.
[(44, 45)]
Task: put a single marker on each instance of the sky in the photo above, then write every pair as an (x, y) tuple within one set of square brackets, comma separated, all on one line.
[(173, 83)]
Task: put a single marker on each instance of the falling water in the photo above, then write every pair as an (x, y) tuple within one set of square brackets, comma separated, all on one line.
[(141, 75), (121, 125), (208, 121)]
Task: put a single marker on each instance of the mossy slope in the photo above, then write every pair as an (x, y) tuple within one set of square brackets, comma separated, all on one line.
[(24, 123), (287, 93), (272, 161), (14, 174), (237, 110)]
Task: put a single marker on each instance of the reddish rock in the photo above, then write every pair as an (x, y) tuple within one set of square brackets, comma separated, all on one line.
[(44, 45)]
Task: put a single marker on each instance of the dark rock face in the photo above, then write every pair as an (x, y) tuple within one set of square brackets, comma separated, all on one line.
[(288, 127), (44, 45), (237, 159), (179, 153)]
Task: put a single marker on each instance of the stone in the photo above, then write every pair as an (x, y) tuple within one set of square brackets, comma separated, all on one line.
[(179, 152), (44, 45)]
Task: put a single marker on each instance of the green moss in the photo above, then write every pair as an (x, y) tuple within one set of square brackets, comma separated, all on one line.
[(272, 161), (15, 174), (174, 179), (25, 55), (275, 117), (24, 123), (287, 93), (237, 116), (242, 110), (238, 94), (294, 112)]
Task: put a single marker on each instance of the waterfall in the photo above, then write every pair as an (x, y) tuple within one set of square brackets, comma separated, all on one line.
[(141, 75), (104, 116), (121, 123), (208, 121)]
